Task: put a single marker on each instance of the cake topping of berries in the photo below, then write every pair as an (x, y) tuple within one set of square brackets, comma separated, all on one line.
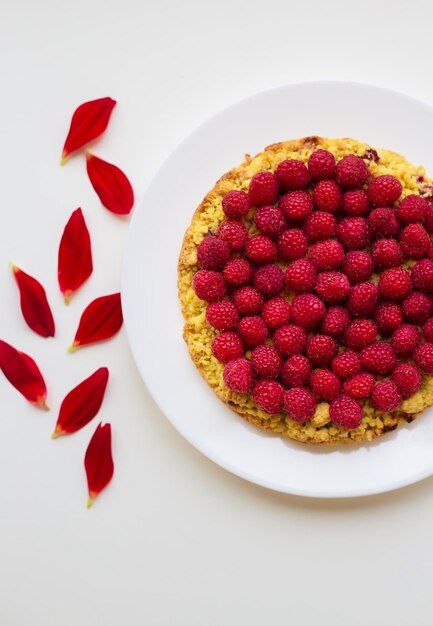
[(320, 225), (384, 190), (263, 188), (408, 379), (270, 220), (363, 299), (209, 285), (427, 330), (388, 317), (301, 276), (412, 209), (296, 371), (227, 346), (422, 275), (386, 396), (253, 330), (414, 241), (395, 283), (247, 300), (405, 339), (292, 174), (417, 307), (345, 412), (261, 249), (236, 204), (296, 205), (327, 196), (327, 255), (423, 357), (347, 364), (360, 333), (352, 172), (269, 396), (307, 310), (353, 233), (332, 287), (335, 321), (379, 358), (276, 312), (358, 266), (290, 339), (222, 315), (300, 404), (356, 202), (213, 253), (383, 222), (234, 233), (269, 280), (321, 164), (238, 272), (325, 384), (238, 375), (266, 361), (292, 244), (321, 349), (359, 386), (386, 253)]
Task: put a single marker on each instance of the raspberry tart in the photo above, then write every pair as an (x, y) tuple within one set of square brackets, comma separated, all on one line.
[(306, 284)]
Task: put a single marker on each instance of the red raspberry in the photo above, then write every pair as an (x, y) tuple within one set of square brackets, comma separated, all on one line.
[(222, 315), (300, 404), (347, 364), (386, 396), (320, 225), (307, 310), (360, 333), (321, 349), (290, 339), (363, 299), (408, 379), (412, 209), (321, 164), (292, 244), (351, 172), (414, 241), (234, 232), (383, 223), (345, 412), (430, 253), (296, 205), (428, 221), (355, 202), (353, 232), (388, 318), (269, 396), (296, 371), (395, 284), (227, 346), (417, 307), (422, 275), (325, 384), (405, 339), (269, 280), (253, 330), (359, 386), (292, 174), (423, 357), (238, 375), (209, 285), (270, 220), (261, 249), (238, 272), (263, 188), (236, 204), (327, 196), (327, 255), (276, 312), (386, 253), (379, 358), (335, 321), (266, 361), (247, 300), (301, 276), (427, 330), (213, 253), (332, 287), (358, 266), (384, 190)]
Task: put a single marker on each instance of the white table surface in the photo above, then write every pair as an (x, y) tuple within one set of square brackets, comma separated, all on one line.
[(174, 540)]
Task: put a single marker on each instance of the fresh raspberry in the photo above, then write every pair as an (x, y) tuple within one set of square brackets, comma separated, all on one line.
[(269, 396), (236, 204), (417, 307), (269, 280), (327, 255), (261, 249), (412, 209), (422, 275), (379, 358), (276, 312), (270, 220), (383, 223), (351, 172), (353, 233), (321, 164), (430, 253), (427, 330), (290, 339), (213, 253), (222, 315), (359, 386), (238, 375), (386, 396), (238, 272), (414, 241), (320, 225), (345, 412), (386, 253), (355, 202), (292, 174), (296, 205), (292, 244), (388, 318), (266, 361), (395, 284), (307, 310), (296, 371), (234, 232), (300, 276), (405, 339), (263, 188), (209, 285), (363, 299), (428, 221), (227, 346), (247, 300), (327, 196), (423, 357), (300, 404), (321, 349), (332, 287), (360, 333), (335, 321), (408, 379), (384, 190), (253, 330), (347, 364), (358, 266), (325, 384)]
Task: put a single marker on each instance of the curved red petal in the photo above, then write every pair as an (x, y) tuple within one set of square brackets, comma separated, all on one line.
[(23, 373), (98, 461), (88, 122), (110, 183), (34, 304), (100, 320), (75, 263)]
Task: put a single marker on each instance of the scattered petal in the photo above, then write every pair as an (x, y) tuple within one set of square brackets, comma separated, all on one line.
[(100, 320), (98, 461), (111, 185), (34, 304), (23, 373), (75, 255)]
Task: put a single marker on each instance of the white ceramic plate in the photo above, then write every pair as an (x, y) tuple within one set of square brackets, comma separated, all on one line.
[(152, 314)]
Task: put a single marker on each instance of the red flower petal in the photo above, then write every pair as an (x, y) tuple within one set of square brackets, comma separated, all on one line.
[(88, 122), (23, 373), (82, 403), (34, 304), (100, 320), (111, 185), (98, 461), (75, 255)]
